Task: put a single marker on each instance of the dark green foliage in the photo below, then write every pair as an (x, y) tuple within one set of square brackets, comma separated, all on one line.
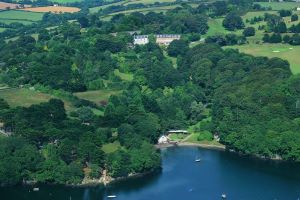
[(285, 13), (294, 17), (249, 31), (233, 21), (178, 47)]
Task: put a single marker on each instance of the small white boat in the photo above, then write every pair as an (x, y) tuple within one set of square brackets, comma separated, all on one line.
[(36, 189), (197, 160), (223, 196), (112, 196)]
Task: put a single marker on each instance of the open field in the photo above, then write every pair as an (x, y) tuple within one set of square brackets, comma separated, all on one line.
[(123, 76), (96, 96), (4, 5), (23, 17), (147, 1), (2, 29), (111, 147), (53, 9), (284, 51), (279, 5), (25, 97)]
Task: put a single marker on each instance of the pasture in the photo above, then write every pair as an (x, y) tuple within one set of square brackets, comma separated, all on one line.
[(53, 9), (24, 97), (23, 17), (97, 96), (2, 30), (280, 5), (284, 51)]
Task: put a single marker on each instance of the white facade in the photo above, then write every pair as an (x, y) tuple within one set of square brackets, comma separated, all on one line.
[(166, 39), (140, 39), (298, 9), (163, 140)]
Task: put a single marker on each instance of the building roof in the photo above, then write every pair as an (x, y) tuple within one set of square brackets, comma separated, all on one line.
[(168, 36), (140, 36)]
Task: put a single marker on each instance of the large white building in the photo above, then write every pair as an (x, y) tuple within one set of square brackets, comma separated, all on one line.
[(166, 39), (140, 39)]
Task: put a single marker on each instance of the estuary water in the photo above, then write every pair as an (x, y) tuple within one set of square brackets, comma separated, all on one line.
[(218, 172)]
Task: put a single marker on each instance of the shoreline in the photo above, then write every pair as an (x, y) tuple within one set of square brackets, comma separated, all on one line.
[(191, 144)]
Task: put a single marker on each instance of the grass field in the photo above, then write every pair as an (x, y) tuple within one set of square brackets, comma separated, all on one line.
[(123, 76), (25, 97), (66, 1), (284, 51), (96, 96), (2, 29), (23, 17), (111, 147), (279, 5)]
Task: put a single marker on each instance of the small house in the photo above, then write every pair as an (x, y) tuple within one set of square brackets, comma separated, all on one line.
[(166, 39), (298, 8), (140, 39)]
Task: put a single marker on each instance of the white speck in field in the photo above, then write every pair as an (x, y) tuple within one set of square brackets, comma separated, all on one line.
[(276, 51)]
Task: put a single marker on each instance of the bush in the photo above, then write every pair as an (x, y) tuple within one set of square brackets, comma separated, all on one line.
[(205, 135), (294, 17), (249, 31)]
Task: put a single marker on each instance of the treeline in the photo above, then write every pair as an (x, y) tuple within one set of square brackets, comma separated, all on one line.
[(255, 100), (49, 147)]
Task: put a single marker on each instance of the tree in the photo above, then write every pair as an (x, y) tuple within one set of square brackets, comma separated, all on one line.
[(177, 47), (286, 39), (280, 28), (275, 38), (249, 31), (294, 17), (233, 21), (266, 38), (285, 13)]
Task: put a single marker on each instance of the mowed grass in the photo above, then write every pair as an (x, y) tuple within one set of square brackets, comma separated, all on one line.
[(279, 5), (24, 97), (123, 76), (111, 147), (23, 17), (97, 96), (284, 51), (2, 30)]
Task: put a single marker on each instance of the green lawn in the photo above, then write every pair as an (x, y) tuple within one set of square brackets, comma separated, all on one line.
[(111, 147), (284, 51), (279, 5), (25, 97), (96, 96), (23, 17), (123, 76), (2, 30)]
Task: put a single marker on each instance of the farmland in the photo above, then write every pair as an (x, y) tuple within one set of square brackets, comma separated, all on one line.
[(23, 17), (25, 97), (4, 5), (284, 51), (2, 29), (279, 5), (53, 9)]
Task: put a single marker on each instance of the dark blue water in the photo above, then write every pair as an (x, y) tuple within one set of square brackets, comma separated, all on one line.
[(240, 178)]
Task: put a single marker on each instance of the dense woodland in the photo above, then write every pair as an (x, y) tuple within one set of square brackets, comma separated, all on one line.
[(254, 101)]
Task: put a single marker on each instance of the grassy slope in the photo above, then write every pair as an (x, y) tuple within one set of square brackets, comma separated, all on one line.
[(96, 96), (25, 97), (111, 147), (65, 1), (2, 29), (23, 17), (123, 76), (287, 52), (280, 5)]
